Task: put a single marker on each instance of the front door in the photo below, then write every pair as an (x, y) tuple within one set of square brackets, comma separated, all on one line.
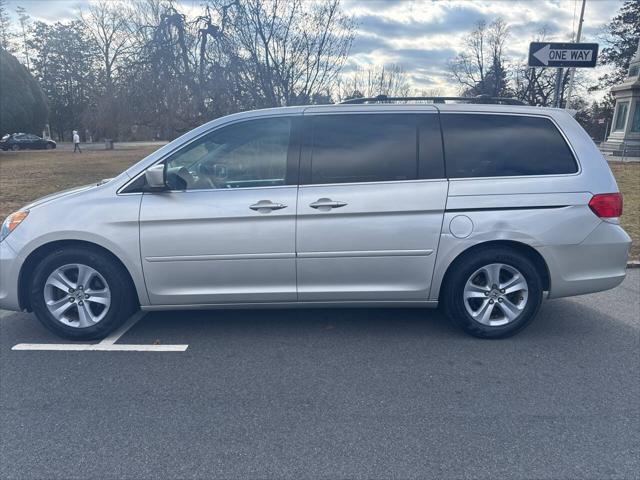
[(225, 232), (371, 207)]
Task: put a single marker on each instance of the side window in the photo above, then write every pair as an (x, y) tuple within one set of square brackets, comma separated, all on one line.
[(363, 148), (248, 154), (430, 147), (503, 145)]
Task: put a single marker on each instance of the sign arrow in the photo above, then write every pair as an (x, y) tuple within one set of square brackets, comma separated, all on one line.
[(543, 54)]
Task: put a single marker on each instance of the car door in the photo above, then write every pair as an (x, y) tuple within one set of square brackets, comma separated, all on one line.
[(225, 232), (371, 205), (33, 141), (21, 141)]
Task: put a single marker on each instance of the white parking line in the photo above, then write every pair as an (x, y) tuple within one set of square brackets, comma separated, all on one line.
[(106, 345), (98, 347), (113, 338)]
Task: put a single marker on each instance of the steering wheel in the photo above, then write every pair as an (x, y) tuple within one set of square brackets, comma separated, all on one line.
[(207, 174)]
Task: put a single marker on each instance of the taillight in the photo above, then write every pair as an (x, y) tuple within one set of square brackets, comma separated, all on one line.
[(606, 205)]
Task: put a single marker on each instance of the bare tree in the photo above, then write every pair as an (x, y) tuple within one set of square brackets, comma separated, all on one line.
[(536, 85), (24, 20), (6, 35), (291, 50), (481, 68), (108, 26), (388, 80)]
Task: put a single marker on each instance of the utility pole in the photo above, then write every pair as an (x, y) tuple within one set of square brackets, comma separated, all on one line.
[(572, 72)]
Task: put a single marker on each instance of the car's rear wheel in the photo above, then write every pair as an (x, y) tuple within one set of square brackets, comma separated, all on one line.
[(48, 146), (493, 293), (15, 147), (81, 294)]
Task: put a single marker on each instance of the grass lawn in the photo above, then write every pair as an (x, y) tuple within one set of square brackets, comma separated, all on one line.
[(25, 176), (628, 178)]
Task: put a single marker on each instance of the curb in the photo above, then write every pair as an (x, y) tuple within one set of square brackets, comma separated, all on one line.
[(633, 264)]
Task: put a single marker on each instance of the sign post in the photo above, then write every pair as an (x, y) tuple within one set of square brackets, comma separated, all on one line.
[(560, 56)]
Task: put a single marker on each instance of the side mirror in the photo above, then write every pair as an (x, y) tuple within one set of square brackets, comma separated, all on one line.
[(155, 177)]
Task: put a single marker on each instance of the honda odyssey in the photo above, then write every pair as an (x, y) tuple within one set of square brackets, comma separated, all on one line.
[(484, 209)]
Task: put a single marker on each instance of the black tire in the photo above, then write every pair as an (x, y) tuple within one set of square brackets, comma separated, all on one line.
[(465, 266), (123, 298), (48, 146), (15, 147)]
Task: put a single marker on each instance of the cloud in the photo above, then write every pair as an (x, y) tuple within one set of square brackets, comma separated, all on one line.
[(422, 36), (48, 10)]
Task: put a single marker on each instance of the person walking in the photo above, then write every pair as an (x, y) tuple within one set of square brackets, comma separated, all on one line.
[(76, 142)]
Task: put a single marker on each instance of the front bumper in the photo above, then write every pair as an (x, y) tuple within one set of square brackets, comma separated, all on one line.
[(9, 274), (597, 263)]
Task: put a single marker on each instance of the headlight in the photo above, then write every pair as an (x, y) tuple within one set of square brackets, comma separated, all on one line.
[(11, 223)]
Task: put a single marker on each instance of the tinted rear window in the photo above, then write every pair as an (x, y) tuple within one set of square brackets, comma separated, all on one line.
[(364, 148), (504, 145)]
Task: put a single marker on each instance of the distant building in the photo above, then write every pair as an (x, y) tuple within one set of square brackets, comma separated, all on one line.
[(625, 127)]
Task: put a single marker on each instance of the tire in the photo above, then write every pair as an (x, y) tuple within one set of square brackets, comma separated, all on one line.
[(15, 147), (108, 284), (48, 146), (471, 302)]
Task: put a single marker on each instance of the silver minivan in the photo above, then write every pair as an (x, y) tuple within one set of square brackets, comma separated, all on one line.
[(483, 208)]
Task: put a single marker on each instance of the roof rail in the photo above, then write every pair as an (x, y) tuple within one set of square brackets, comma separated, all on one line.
[(479, 99)]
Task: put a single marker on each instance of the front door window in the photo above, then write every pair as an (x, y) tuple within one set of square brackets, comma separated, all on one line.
[(247, 154)]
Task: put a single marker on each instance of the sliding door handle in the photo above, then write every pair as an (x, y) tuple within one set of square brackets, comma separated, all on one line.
[(325, 204), (266, 206)]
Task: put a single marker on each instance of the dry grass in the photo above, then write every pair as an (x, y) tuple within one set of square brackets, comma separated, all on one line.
[(628, 178), (25, 176)]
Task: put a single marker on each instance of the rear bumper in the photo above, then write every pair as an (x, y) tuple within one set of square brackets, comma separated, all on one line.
[(598, 263), (9, 272)]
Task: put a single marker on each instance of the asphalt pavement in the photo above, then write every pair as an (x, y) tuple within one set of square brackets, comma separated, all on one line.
[(321, 393)]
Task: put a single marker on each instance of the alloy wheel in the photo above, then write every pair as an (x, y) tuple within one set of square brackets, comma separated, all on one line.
[(495, 294), (77, 295)]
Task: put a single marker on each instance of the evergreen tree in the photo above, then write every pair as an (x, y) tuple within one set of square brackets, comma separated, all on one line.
[(621, 40), (23, 105), (64, 62)]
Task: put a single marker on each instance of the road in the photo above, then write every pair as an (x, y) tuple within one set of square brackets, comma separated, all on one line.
[(331, 394)]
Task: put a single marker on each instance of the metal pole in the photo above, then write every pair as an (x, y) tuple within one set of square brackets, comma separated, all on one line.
[(577, 40), (556, 95)]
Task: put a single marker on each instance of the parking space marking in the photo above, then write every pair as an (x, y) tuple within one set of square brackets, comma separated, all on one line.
[(115, 335), (97, 347), (108, 344)]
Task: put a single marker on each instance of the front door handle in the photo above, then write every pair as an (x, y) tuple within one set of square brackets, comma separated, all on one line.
[(266, 206), (325, 204)]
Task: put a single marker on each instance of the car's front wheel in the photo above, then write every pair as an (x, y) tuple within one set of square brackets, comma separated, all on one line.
[(493, 293), (81, 294), (15, 147)]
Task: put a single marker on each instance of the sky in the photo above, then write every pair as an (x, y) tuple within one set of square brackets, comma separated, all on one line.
[(421, 36)]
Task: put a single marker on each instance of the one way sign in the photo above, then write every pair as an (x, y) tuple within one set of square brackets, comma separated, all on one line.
[(544, 54)]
